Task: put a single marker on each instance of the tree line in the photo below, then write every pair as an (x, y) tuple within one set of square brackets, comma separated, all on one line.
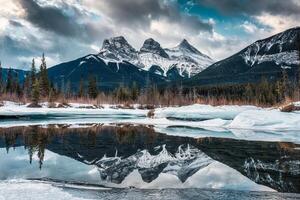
[(37, 87)]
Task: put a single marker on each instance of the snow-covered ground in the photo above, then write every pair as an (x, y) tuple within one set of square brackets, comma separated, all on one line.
[(245, 122)]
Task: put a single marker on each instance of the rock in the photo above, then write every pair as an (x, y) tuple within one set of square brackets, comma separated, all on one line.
[(34, 105), (146, 107), (289, 108), (151, 113)]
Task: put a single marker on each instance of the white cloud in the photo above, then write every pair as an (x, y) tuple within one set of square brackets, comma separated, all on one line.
[(249, 27), (50, 60), (278, 23), (3, 24)]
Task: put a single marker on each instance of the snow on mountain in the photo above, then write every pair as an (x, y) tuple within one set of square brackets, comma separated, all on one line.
[(118, 49), (151, 46), (276, 48), (189, 59), (264, 58), (185, 58)]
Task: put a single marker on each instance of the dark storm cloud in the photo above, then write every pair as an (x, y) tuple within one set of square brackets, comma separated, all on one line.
[(140, 13), (49, 18), (13, 47), (56, 20), (253, 7)]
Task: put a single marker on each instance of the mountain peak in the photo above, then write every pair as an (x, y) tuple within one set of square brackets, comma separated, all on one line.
[(184, 42), (117, 48), (116, 42), (152, 46), (185, 45)]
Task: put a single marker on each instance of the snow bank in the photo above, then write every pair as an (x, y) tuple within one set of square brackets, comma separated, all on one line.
[(202, 112), (23, 189), (266, 120), (219, 119), (14, 109)]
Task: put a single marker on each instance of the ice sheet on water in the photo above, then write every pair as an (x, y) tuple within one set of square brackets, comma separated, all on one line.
[(32, 190)]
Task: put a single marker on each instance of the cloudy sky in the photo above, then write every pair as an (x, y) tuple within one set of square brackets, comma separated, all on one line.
[(68, 29)]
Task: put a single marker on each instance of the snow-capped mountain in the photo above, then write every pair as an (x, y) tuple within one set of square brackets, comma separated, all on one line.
[(151, 46), (189, 59), (264, 58), (183, 59), (118, 49), (110, 75)]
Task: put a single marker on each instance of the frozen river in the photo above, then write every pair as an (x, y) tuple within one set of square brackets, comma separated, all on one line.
[(178, 153)]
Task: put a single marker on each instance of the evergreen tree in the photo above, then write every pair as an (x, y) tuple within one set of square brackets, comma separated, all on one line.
[(35, 97), (27, 87), (81, 88), (1, 81), (16, 86), (9, 80), (248, 92), (68, 89), (51, 95), (285, 82), (92, 87), (44, 81), (298, 70), (32, 73), (134, 91), (123, 94)]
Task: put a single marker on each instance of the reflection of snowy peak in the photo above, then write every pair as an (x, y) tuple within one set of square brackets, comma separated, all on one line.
[(183, 164), (183, 60)]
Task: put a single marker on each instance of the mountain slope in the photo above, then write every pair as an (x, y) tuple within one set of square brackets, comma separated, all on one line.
[(189, 59), (185, 58), (21, 74), (263, 58), (109, 75), (117, 49)]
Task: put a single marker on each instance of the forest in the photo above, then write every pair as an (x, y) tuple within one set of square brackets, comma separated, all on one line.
[(38, 88)]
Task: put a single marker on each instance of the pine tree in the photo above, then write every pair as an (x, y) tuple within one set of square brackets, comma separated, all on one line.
[(68, 89), (35, 93), (44, 81), (134, 91), (92, 87), (298, 69), (9, 80), (81, 88), (32, 73), (248, 92), (16, 86), (51, 98), (1, 81), (285, 82)]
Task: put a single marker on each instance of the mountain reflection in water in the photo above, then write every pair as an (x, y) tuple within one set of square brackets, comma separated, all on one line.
[(119, 150)]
